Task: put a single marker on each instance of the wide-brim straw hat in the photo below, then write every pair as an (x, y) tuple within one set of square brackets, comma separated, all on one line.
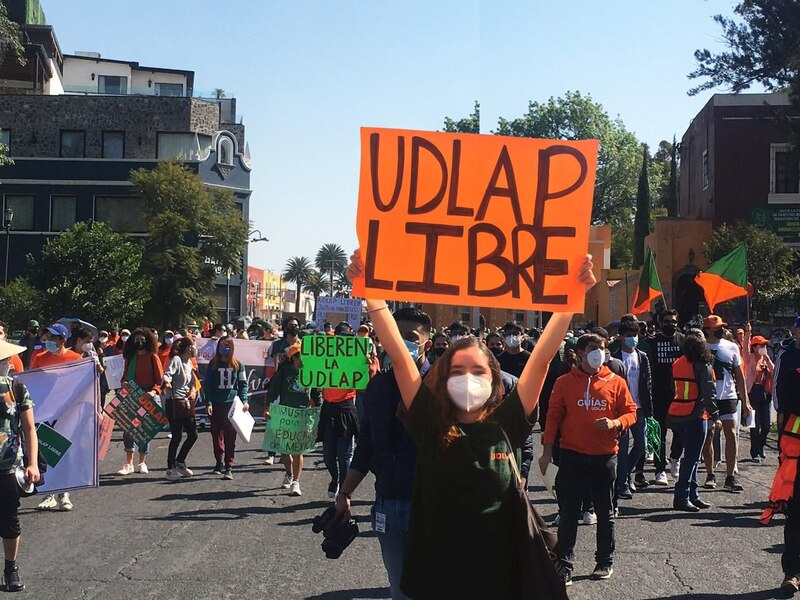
[(7, 349)]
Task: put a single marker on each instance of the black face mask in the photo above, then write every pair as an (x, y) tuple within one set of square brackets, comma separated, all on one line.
[(719, 334), (496, 351), (439, 351), (668, 330), (291, 330), (139, 344)]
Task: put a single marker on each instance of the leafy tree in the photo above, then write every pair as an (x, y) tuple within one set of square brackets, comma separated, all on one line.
[(10, 38), (89, 272), (641, 226), (762, 47), (298, 270), (314, 285), (193, 234), (20, 302), (770, 265), (331, 259), (470, 124)]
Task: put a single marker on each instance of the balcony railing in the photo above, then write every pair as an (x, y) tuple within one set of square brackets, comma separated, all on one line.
[(91, 90)]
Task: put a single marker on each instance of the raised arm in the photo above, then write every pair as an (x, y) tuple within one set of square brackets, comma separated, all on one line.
[(406, 372), (532, 378)]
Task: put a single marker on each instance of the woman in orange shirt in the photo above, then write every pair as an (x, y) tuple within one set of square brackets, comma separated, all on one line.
[(143, 368)]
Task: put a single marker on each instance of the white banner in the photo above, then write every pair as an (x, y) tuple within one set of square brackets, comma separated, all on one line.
[(336, 310), (66, 397), (114, 366)]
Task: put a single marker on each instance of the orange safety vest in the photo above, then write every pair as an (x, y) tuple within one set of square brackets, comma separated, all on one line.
[(687, 393), (783, 484)]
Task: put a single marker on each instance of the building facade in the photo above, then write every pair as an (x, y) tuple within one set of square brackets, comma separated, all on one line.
[(738, 164), (77, 128)]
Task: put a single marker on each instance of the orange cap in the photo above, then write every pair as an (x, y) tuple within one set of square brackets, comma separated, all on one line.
[(713, 322)]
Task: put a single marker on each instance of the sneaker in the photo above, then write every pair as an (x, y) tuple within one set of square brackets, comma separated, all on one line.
[(790, 585), (711, 481), (589, 518), (732, 485), (640, 481), (65, 502), (717, 464), (674, 467), (270, 460), (218, 469), (603, 572), (649, 457), (294, 489), (287, 481), (556, 521), (685, 506), (616, 512), (624, 493), (169, 436), (632, 486), (227, 474), (566, 577), (661, 479), (763, 456), (701, 504), (48, 503), (12, 582), (142, 468), (173, 475), (184, 470), (333, 489), (125, 470)]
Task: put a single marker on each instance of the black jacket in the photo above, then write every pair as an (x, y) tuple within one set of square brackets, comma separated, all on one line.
[(786, 380), (645, 380)]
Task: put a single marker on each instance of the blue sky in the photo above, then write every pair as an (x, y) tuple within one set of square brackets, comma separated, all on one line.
[(307, 75)]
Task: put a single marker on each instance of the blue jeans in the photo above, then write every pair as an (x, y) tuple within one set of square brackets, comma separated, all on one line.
[(337, 450), (393, 540), (693, 435), (128, 444), (627, 459)]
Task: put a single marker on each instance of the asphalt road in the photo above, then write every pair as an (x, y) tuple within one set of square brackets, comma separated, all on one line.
[(144, 537)]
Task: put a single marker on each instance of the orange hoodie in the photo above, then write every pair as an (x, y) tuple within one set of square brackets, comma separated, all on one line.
[(578, 400)]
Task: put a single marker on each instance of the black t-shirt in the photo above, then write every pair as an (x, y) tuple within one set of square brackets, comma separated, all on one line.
[(461, 540), (662, 352), (513, 363)]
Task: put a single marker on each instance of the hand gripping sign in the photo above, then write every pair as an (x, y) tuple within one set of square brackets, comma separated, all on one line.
[(474, 220)]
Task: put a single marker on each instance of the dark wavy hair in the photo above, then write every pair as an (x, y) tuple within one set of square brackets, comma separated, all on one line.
[(150, 342), (443, 413), (695, 348), (180, 346)]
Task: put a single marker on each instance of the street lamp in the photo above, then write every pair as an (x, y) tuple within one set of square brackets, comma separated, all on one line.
[(254, 240), (8, 217)]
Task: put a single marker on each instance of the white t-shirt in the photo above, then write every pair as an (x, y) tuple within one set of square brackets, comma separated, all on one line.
[(726, 358), (631, 362)]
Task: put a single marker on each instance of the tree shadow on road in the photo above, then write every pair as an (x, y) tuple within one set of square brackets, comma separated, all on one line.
[(353, 594), (762, 595), (228, 513)]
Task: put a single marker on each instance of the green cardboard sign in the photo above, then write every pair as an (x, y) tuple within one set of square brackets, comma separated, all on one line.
[(52, 445), (291, 430), (335, 361), (136, 414)]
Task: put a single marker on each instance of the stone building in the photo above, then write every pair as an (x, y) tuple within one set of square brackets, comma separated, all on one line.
[(77, 125)]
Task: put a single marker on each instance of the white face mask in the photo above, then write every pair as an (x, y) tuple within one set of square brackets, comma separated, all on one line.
[(512, 341), (103, 339), (762, 351), (87, 347), (469, 392), (595, 358), (125, 338)]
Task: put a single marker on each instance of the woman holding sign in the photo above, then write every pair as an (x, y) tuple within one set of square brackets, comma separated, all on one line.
[(464, 509), (225, 379)]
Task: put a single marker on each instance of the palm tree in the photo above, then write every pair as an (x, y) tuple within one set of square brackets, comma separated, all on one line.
[(331, 258), (314, 285), (297, 270), (342, 284)]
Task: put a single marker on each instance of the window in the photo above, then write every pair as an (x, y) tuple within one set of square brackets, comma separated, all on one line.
[(787, 172), (705, 170), (169, 89), (73, 144), (23, 211), (5, 138), (112, 84), (122, 213), (183, 146), (113, 144), (519, 317), (63, 212), (225, 151), (466, 317)]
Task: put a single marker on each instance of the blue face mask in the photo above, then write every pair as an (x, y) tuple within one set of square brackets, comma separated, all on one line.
[(51, 346), (225, 351), (413, 350), (631, 342)]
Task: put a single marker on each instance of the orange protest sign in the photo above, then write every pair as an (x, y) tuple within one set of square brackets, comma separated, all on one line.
[(474, 220)]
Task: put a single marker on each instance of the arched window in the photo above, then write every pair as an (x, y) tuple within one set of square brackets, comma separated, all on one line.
[(225, 151)]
